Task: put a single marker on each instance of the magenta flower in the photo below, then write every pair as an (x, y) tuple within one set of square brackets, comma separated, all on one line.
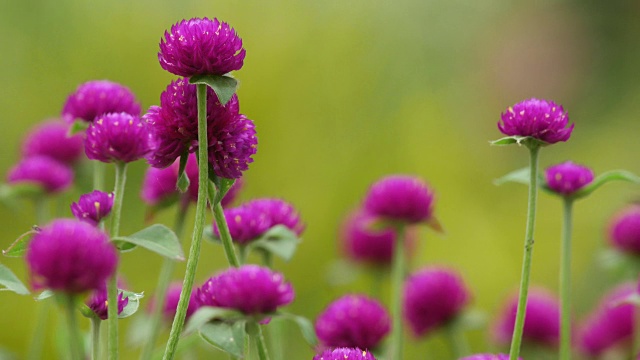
[(43, 171), (344, 354), (70, 256), (93, 207), (201, 47), (542, 319), (624, 230), (245, 224), (98, 303), (400, 198), (567, 178), (117, 137), (96, 98), (279, 212), (171, 302), (231, 146), (433, 297), (50, 139), (540, 119), (251, 289), (487, 357), (353, 321)]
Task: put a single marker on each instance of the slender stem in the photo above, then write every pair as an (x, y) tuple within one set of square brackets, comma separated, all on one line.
[(95, 338), (198, 226), (457, 341), (39, 333), (41, 209), (225, 236), (98, 175), (636, 333), (397, 283), (255, 332), (565, 281), (244, 253), (516, 341), (75, 339)]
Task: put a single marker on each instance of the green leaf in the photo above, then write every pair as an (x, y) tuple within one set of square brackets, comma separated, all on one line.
[(206, 314), (305, 326), (11, 282), (527, 141), (279, 240), (183, 179), (520, 176), (44, 295), (19, 247), (157, 238), (78, 126), (613, 175), (228, 337), (223, 85), (132, 305)]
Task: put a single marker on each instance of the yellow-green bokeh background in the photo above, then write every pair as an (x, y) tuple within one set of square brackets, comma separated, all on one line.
[(342, 93)]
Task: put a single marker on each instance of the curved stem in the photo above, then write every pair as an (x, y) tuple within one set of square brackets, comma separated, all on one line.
[(397, 283), (225, 236), (95, 338), (255, 332), (516, 340), (565, 281), (75, 339)]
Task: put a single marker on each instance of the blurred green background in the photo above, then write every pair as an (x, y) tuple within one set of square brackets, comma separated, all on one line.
[(343, 93)]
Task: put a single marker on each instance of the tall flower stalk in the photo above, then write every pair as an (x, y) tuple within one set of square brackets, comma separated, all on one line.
[(565, 281), (398, 270)]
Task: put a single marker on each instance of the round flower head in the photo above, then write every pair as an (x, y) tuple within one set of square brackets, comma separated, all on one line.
[(610, 324), (624, 230), (95, 98), (353, 321), (70, 256), (117, 137), (171, 302), (433, 297), (567, 178), (279, 212), (232, 145), (344, 354), (50, 139), (201, 47), (245, 224), (540, 119), (400, 198), (487, 357), (542, 319), (43, 171), (98, 303), (251, 289), (93, 207)]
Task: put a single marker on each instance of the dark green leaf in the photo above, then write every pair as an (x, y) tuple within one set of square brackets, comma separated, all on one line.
[(183, 179), (279, 241), (11, 282), (223, 85), (228, 337), (206, 314), (44, 295), (306, 327), (132, 305), (157, 238), (78, 126), (621, 175), (19, 247)]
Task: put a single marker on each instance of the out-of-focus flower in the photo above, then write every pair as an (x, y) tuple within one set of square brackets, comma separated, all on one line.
[(117, 137), (50, 139), (44, 171), (98, 97), (567, 178), (172, 299), (344, 354), (624, 230), (93, 207), (540, 119), (487, 357), (98, 303), (400, 198)]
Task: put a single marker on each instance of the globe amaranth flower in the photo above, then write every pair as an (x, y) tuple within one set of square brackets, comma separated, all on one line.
[(201, 47), (610, 324), (118, 137), (50, 139), (624, 230), (98, 302), (567, 178), (93, 207), (172, 299), (400, 198), (542, 319), (251, 289), (433, 297), (353, 321), (487, 357), (70, 256), (344, 353), (43, 171), (540, 119), (98, 97)]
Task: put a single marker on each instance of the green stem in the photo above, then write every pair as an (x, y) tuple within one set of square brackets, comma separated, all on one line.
[(75, 339), (225, 236), (635, 350), (198, 226), (565, 282), (516, 340), (95, 338), (42, 210), (457, 341), (98, 175), (397, 283), (37, 340), (255, 332)]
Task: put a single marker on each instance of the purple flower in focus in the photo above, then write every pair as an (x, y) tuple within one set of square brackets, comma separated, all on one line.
[(487, 357), (52, 175), (245, 224), (70, 256), (540, 119), (353, 321), (344, 354), (400, 198), (98, 303), (231, 146), (50, 139), (624, 230), (171, 302), (542, 319), (117, 137), (95, 98), (251, 289), (201, 47), (433, 297), (567, 178), (93, 207)]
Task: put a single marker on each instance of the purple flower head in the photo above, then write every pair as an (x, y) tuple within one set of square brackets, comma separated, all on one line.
[(245, 224), (117, 137), (50, 139), (344, 353), (353, 321), (44, 171), (400, 198), (540, 119), (487, 357), (542, 319), (610, 324), (95, 98), (231, 146), (433, 297), (70, 256), (171, 302), (567, 178), (624, 230), (201, 47), (279, 212), (98, 303), (93, 207), (251, 289)]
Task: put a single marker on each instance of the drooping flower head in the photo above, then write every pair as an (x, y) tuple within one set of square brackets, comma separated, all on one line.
[(433, 297), (487, 357), (201, 47), (117, 137), (400, 198), (344, 353), (567, 178), (541, 119), (251, 289), (353, 321), (70, 256), (98, 302), (171, 302), (624, 230), (44, 171), (96, 98), (542, 319), (50, 139), (93, 207)]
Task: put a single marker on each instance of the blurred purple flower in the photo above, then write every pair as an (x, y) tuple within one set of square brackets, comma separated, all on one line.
[(245, 224), (98, 303), (172, 299), (541, 119), (50, 139), (93, 207), (344, 354), (279, 212), (624, 230), (117, 137), (567, 178), (487, 357), (400, 198), (52, 175), (95, 98)]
